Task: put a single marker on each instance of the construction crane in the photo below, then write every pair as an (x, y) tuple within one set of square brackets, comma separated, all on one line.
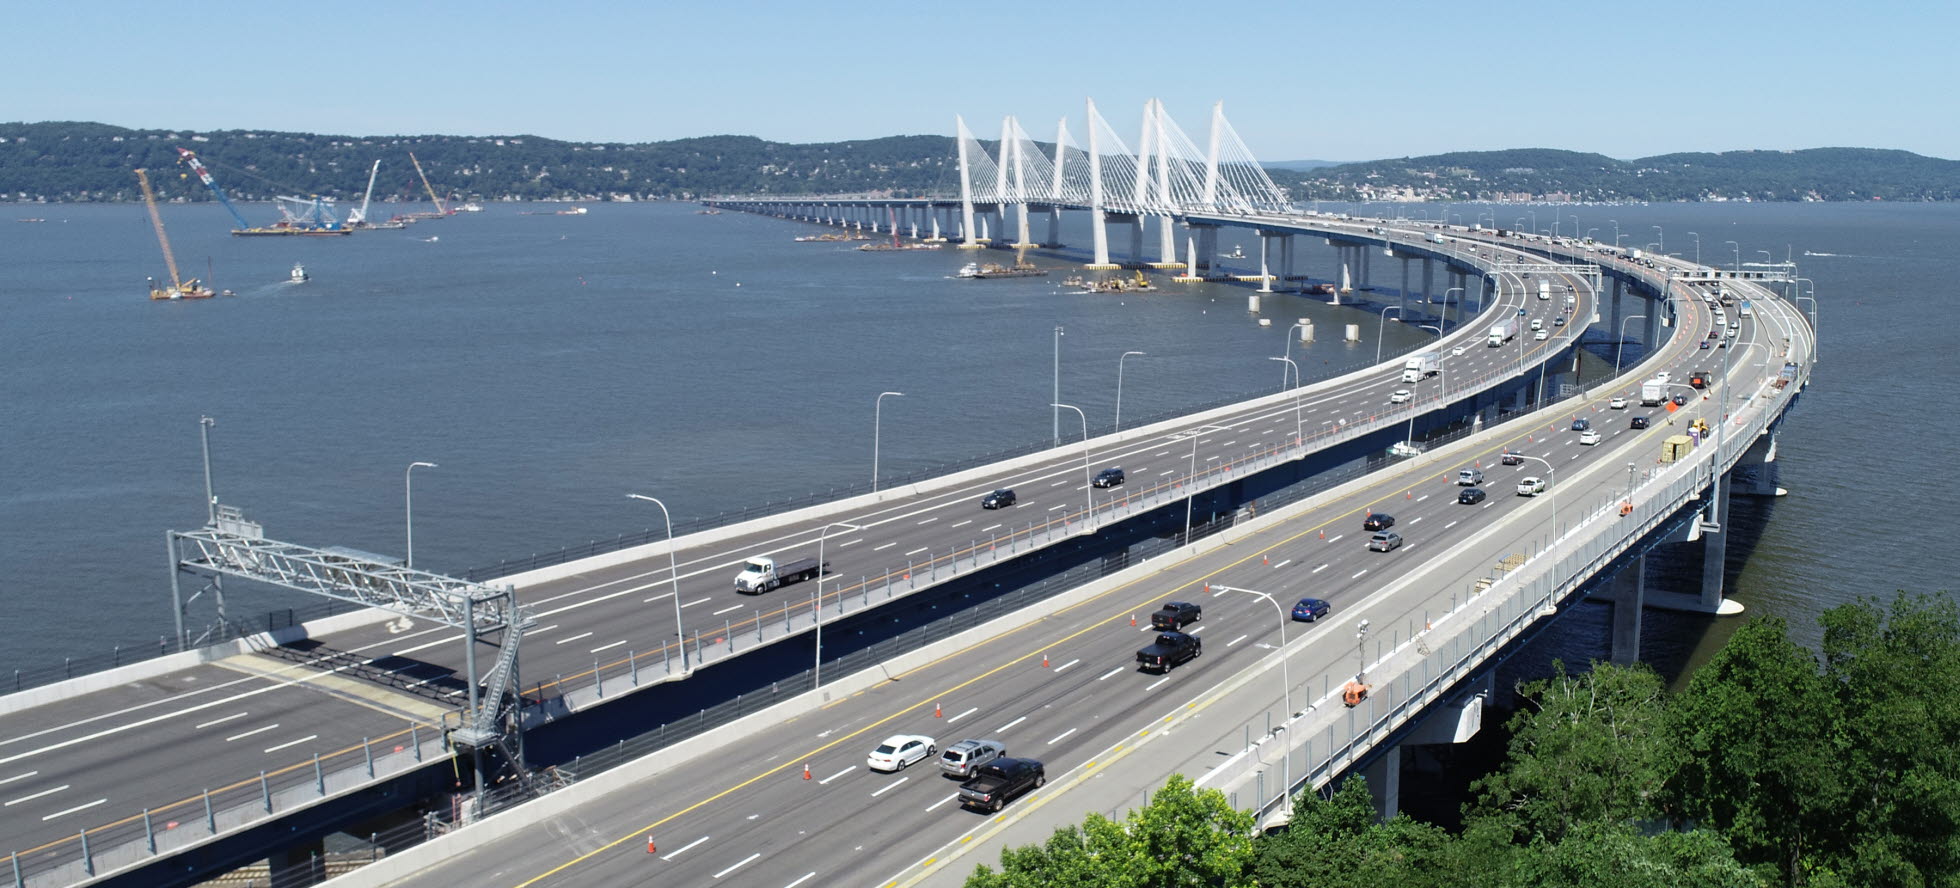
[(440, 209), (197, 166), (179, 288), (360, 218)]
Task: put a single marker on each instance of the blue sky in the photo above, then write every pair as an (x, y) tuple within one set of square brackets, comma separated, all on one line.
[(1342, 81)]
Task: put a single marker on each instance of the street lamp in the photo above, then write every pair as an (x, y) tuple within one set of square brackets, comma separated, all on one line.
[(1768, 257), (1191, 473), (1119, 387), (1058, 382), (674, 574), (1299, 424), (877, 422), (1616, 231), (1446, 305), (1551, 486), (1088, 485), (1575, 224), (204, 424), (1697, 238), (816, 671), (1623, 341), (1738, 255), (408, 507), (1285, 676), (1589, 232), (1361, 651), (1382, 327), (1662, 237)]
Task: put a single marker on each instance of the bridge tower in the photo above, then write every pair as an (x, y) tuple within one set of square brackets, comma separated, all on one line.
[(968, 240), (1098, 223)]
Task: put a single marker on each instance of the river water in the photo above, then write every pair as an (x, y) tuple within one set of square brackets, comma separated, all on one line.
[(552, 364)]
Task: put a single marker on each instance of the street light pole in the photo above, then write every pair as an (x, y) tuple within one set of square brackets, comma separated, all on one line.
[(408, 507), (1299, 424), (1119, 387), (204, 424), (1445, 317), (1616, 231), (1737, 268), (674, 575), (1058, 383), (1381, 328), (816, 669), (1697, 238), (1285, 675), (877, 423), (1623, 341), (1088, 485), (1551, 486), (1191, 474), (1661, 237)]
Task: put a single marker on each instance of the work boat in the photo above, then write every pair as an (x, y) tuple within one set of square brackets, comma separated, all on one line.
[(299, 275)]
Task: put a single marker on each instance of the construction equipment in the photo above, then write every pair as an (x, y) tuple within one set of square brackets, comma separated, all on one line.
[(359, 218), (197, 166), (1353, 693), (312, 220), (179, 288), (433, 198)]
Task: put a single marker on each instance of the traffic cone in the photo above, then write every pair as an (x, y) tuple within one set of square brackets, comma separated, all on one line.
[(1207, 591), (1408, 494), (1133, 620), (936, 711), (806, 770), (1265, 561), (1044, 659), (1323, 534), (649, 844)]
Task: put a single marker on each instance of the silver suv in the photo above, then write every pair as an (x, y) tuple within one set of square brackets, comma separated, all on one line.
[(1470, 477), (965, 757)]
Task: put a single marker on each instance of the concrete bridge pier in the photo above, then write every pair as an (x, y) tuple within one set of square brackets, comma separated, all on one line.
[(1629, 596), (1266, 239), (1715, 548), (1166, 241), (1054, 228), (1652, 336), (1136, 241), (1099, 240), (1023, 239), (1452, 722), (1758, 468), (1364, 279), (1619, 291), (1429, 288), (1286, 257)]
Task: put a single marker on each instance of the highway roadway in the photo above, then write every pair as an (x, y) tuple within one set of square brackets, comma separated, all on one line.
[(745, 815), (95, 759)]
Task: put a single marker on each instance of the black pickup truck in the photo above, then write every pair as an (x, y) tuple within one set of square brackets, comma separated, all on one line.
[(1176, 615), (1000, 780), (1170, 649)]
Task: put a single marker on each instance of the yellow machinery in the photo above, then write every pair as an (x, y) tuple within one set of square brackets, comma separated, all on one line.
[(179, 288)]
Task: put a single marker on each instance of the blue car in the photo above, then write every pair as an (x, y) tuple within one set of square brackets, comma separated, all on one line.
[(1581, 424), (1310, 609)]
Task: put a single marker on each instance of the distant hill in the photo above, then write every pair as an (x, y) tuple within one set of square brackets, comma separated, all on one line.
[(1540, 173), (65, 161), (1300, 164)]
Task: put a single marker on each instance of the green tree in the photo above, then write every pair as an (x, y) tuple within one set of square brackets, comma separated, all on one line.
[(1183, 837), (1601, 854), (1337, 843), (1585, 748)]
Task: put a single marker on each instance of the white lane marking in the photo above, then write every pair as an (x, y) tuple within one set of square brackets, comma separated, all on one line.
[(73, 810), (1165, 472), (676, 853), (1153, 685), (889, 787), (928, 808), (702, 600), (208, 724), (1059, 483), (883, 547), (745, 862), (728, 609), (1320, 568), (1358, 576), (1416, 520), (573, 638), (963, 715), (642, 601), (916, 551), (1003, 728), (1061, 736), (1449, 525), (607, 647), (1163, 453), (990, 527), (1061, 506), (1230, 443), (251, 732), (850, 542), (928, 520), (1235, 641), (291, 743), (827, 780), (1058, 669), (1283, 564), (22, 776), (961, 524), (1197, 630), (1422, 497), (45, 792), (1110, 673), (1337, 538)]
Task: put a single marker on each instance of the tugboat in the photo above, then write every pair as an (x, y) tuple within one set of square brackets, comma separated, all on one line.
[(299, 275)]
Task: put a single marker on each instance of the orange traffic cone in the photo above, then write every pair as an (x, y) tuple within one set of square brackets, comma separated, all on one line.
[(1265, 561), (937, 712), (806, 770), (1408, 494), (649, 844), (1044, 659), (1133, 619), (1323, 534)]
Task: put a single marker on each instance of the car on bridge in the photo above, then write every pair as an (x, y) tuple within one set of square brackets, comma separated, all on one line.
[(1110, 477), (1580, 423), (899, 751), (1457, 352), (1704, 343), (1000, 780), (1541, 336), (1170, 649), (965, 757), (1400, 396), (1589, 437), (1470, 477), (1512, 458), (1310, 610), (1618, 403), (1470, 496), (999, 499), (1531, 486), (1176, 615), (1384, 541), (1638, 422), (1378, 521)]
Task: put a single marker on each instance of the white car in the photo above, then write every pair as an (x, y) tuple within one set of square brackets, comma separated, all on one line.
[(1540, 335), (1457, 352), (1589, 437), (900, 750), (1617, 404), (1400, 396), (1537, 323), (1531, 487), (1663, 376)]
